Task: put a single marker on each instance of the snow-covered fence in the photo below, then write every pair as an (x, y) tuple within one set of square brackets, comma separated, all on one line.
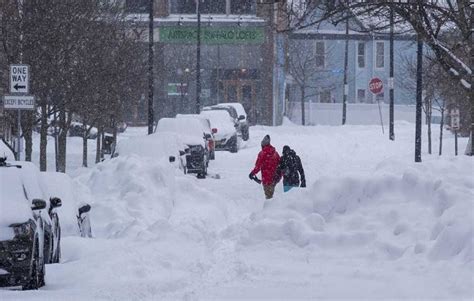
[(357, 113)]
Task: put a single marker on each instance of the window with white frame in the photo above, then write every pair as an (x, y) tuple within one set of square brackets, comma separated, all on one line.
[(361, 95), (320, 53), (361, 54), (379, 55), (325, 96)]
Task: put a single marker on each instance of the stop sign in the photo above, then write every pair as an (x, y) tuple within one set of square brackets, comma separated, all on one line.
[(376, 85)]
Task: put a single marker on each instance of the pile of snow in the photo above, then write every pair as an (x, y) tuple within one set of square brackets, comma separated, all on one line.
[(390, 213), (130, 193), (72, 196), (189, 130), (158, 146)]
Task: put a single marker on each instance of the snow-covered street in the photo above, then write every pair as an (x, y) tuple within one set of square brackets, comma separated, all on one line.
[(371, 224)]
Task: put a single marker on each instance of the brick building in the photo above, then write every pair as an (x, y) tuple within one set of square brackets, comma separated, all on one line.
[(242, 58)]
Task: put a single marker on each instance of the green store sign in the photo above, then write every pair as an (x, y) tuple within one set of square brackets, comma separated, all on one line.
[(213, 35)]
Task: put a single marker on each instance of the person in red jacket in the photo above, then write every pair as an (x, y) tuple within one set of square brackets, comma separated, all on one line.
[(267, 163)]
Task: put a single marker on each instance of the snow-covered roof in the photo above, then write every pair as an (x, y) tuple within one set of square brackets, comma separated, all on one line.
[(190, 130)]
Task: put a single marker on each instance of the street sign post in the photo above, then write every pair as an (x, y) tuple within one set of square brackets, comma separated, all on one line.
[(376, 85), (19, 100), (455, 125), (19, 78)]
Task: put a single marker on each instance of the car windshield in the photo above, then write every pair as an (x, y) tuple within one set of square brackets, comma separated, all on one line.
[(13, 200)]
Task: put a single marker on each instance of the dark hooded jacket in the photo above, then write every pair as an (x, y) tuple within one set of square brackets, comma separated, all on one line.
[(291, 169)]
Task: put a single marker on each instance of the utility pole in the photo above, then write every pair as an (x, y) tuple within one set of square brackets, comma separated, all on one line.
[(151, 48), (419, 98), (391, 81), (198, 59), (346, 88)]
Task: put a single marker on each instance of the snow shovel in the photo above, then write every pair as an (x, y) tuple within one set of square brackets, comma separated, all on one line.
[(256, 179)]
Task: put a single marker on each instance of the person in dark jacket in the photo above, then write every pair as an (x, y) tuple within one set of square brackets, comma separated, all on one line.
[(291, 169), (267, 162)]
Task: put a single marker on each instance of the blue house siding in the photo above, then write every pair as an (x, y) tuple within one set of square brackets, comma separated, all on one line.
[(358, 78)]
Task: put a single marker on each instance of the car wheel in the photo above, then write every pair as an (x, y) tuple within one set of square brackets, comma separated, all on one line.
[(245, 135), (233, 147)]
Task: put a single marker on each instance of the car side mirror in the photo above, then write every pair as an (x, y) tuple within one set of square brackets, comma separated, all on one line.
[(55, 202), (241, 117), (207, 136), (172, 159), (214, 130), (84, 209), (38, 204)]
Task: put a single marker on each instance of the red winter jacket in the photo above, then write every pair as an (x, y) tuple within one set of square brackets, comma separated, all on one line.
[(267, 163)]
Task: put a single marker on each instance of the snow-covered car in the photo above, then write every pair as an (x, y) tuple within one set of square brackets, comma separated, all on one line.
[(76, 129), (225, 130), (241, 117), (24, 223), (55, 255), (208, 131), (191, 133), (157, 146)]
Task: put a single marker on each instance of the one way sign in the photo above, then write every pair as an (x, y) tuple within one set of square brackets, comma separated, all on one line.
[(19, 79)]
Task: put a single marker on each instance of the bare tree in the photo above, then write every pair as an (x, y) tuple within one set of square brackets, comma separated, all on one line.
[(307, 69), (444, 25)]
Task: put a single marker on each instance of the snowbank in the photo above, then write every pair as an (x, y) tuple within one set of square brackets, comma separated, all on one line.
[(129, 194), (72, 196), (391, 213)]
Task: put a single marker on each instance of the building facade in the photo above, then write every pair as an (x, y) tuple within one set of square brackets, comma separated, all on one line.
[(368, 57), (242, 58)]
